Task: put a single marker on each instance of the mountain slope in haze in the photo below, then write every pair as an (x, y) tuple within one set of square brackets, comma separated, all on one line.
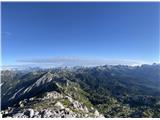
[(102, 91)]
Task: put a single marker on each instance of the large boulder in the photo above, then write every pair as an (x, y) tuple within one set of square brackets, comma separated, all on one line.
[(52, 95), (59, 105), (96, 113)]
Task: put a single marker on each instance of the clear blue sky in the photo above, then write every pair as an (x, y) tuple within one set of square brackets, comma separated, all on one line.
[(122, 31)]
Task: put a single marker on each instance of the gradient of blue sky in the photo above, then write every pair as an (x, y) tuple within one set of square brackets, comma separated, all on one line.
[(85, 30)]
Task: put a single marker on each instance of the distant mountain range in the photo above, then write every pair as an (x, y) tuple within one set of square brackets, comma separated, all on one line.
[(101, 91)]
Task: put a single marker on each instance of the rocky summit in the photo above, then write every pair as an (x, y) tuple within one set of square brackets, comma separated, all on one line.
[(102, 91), (52, 104)]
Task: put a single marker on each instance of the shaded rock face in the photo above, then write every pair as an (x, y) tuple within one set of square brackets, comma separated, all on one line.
[(42, 84), (29, 113)]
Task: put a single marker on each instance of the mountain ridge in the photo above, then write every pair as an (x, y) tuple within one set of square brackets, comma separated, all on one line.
[(104, 88)]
